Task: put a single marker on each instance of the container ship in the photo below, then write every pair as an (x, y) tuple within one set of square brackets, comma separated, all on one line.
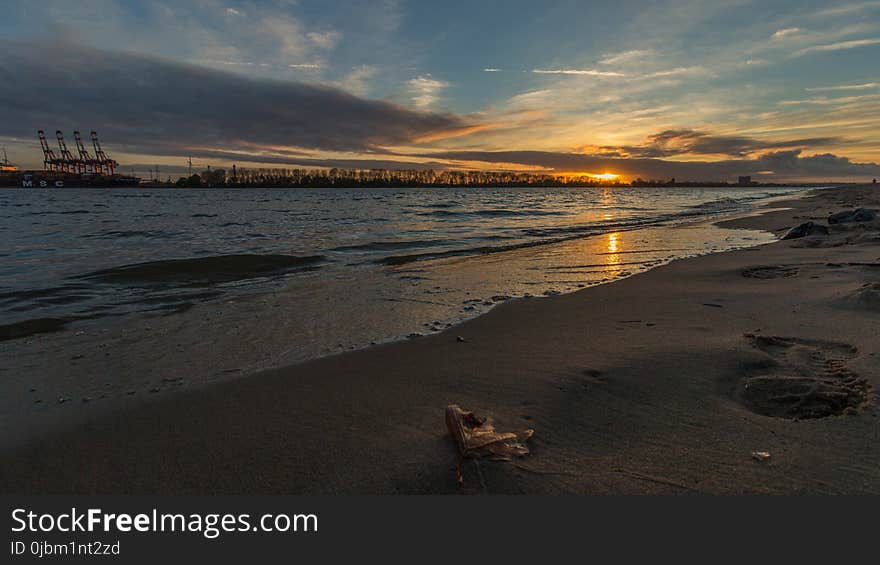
[(66, 169)]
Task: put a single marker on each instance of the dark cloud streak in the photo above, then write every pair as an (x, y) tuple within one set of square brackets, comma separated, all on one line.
[(143, 102), (671, 143), (783, 164), (153, 106), (225, 159)]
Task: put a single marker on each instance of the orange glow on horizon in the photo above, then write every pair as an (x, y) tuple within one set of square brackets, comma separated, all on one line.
[(596, 176), (604, 176)]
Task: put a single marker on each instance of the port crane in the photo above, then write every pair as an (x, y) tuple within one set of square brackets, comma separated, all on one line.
[(107, 165), (69, 164), (50, 161), (99, 164), (89, 164)]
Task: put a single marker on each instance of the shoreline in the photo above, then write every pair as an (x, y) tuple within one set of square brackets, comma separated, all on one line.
[(53, 382), (573, 367), (75, 297)]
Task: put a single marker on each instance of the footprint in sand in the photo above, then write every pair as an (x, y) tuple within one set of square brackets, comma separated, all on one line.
[(770, 272), (809, 379), (866, 297)]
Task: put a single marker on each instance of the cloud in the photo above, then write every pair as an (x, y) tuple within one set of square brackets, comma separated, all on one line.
[(848, 9), (865, 86), (531, 98), (825, 101), (145, 102), (625, 56), (678, 71), (357, 80), (324, 40), (425, 90), (273, 32), (263, 65), (289, 159), (672, 143), (780, 165), (840, 45), (589, 72), (786, 32), (491, 70)]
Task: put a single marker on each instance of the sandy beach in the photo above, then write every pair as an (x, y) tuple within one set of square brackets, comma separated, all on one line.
[(664, 382)]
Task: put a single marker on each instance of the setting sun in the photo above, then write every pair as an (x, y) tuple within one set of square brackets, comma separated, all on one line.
[(605, 176)]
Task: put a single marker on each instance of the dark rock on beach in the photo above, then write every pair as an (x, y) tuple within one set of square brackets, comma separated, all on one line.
[(806, 229), (857, 215)]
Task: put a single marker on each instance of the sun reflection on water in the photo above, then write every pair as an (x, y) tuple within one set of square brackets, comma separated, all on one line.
[(613, 242), (613, 248)]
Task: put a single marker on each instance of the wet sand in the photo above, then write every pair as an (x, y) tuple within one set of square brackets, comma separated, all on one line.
[(665, 382)]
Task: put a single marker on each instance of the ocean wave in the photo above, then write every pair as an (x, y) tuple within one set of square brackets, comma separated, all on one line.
[(478, 250), (725, 204), (593, 265), (205, 270), (61, 213), (546, 236), (114, 234), (496, 213), (436, 205), (395, 245), (31, 327), (39, 294), (553, 234)]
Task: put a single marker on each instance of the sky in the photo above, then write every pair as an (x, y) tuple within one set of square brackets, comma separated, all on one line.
[(783, 90)]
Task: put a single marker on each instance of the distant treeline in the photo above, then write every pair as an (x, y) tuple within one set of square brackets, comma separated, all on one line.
[(350, 178)]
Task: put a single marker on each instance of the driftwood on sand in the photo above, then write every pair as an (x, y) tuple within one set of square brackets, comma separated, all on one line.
[(475, 436)]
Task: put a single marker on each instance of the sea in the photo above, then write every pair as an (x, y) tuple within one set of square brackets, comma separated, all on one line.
[(355, 266)]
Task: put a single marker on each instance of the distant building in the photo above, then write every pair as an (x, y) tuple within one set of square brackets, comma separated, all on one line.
[(745, 180)]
